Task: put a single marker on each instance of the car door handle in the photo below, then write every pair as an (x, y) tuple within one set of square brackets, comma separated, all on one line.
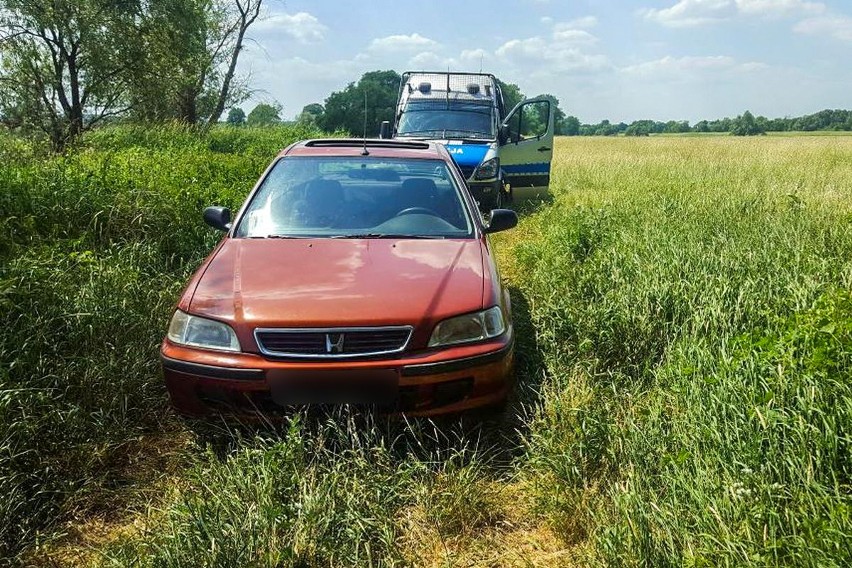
[(544, 149)]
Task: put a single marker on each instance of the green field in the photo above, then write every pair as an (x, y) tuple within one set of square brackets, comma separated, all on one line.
[(684, 308)]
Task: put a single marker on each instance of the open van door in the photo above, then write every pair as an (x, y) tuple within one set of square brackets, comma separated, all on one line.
[(526, 139)]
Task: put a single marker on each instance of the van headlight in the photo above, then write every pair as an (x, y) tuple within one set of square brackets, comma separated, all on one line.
[(468, 328), (488, 169), (194, 331)]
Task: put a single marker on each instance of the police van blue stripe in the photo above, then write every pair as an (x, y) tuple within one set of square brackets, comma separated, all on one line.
[(468, 155), (539, 168)]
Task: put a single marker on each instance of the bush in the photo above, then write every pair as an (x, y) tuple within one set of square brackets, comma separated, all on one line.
[(96, 245)]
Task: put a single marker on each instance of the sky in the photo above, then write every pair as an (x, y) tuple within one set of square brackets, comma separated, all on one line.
[(621, 60)]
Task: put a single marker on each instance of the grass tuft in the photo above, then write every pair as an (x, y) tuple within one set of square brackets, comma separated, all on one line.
[(683, 309)]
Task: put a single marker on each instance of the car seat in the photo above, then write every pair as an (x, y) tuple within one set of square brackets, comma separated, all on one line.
[(424, 193), (323, 203), (419, 192)]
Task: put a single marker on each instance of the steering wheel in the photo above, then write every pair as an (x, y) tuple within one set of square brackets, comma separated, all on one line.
[(417, 210)]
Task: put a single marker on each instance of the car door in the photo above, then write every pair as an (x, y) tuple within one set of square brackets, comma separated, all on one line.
[(527, 147)]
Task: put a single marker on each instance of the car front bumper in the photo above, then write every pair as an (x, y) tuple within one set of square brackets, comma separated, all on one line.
[(430, 383)]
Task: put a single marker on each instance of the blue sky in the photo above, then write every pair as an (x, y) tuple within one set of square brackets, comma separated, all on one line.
[(620, 60)]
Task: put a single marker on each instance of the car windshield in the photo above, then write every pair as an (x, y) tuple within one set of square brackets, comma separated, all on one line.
[(363, 197), (435, 119)]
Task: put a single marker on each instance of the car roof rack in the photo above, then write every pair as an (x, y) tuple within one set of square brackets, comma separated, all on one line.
[(353, 142)]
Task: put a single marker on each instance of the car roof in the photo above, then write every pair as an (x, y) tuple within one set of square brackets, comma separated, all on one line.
[(377, 148)]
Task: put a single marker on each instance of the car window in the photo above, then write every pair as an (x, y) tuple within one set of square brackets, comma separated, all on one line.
[(355, 197), (530, 121)]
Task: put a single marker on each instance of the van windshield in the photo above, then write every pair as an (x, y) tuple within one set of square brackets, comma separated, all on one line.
[(447, 119)]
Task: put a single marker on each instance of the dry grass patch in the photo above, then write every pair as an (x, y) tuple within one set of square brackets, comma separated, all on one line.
[(514, 533)]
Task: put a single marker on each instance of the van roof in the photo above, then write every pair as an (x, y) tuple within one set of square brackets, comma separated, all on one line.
[(434, 84)]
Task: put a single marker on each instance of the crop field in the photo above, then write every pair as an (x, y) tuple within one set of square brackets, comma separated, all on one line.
[(684, 396)]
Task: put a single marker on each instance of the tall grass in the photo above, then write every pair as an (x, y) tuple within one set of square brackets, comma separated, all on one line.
[(336, 492), (685, 306), (95, 247), (693, 300)]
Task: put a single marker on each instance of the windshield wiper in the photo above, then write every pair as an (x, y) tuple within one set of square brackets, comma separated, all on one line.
[(280, 237), (410, 132), (450, 132), (385, 236), (462, 131)]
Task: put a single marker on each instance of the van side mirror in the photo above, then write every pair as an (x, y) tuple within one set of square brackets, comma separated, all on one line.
[(501, 219), (218, 218), (503, 134), (385, 131)]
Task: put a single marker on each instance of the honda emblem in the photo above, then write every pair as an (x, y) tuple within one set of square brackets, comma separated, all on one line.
[(333, 345)]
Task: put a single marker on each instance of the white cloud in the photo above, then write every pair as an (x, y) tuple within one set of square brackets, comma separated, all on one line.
[(565, 50), (690, 13), (468, 60), (687, 13), (428, 60), (584, 22), (535, 52), (690, 65), (574, 37), (473, 54), (409, 43), (302, 26), (779, 7), (300, 69), (838, 27), (533, 48)]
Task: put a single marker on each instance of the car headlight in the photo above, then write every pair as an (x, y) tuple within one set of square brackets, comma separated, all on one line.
[(194, 331), (468, 328), (488, 169)]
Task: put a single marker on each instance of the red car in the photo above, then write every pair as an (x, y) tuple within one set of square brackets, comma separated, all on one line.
[(354, 273)]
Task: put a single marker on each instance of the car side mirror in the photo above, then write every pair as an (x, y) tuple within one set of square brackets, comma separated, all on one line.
[(501, 219), (503, 134), (218, 218), (385, 131)]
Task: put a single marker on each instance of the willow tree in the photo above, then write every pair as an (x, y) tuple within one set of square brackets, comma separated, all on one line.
[(187, 67), (64, 64)]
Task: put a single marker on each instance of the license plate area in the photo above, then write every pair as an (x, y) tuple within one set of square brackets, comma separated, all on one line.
[(363, 387)]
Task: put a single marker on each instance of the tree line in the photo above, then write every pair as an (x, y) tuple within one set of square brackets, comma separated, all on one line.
[(344, 111), (745, 124), (68, 65)]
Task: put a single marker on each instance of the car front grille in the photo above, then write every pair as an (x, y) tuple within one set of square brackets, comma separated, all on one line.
[(332, 342), (467, 171)]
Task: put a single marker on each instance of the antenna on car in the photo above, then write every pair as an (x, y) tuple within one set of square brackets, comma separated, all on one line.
[(365, 152)]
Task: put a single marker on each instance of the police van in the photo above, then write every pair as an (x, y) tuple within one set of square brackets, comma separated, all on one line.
[(503, 155)]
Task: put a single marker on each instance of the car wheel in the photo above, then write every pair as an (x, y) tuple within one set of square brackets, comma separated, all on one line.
[(496, 203)]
